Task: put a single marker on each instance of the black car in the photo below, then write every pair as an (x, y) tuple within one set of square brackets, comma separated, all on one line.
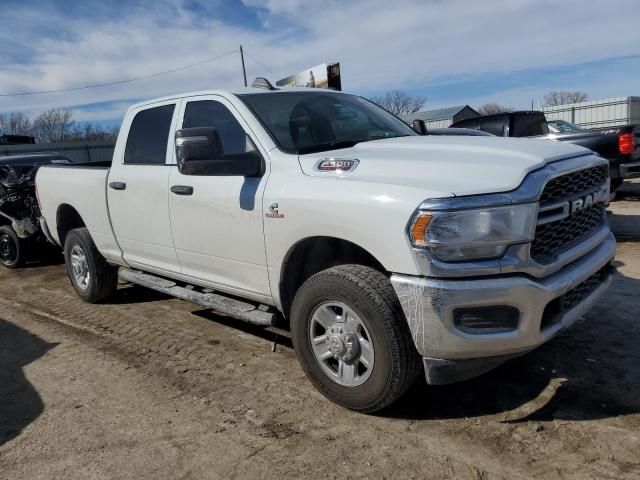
[(619, 145), (21, 235)]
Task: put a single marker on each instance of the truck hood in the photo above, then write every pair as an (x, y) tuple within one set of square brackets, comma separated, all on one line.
[(455, 165)]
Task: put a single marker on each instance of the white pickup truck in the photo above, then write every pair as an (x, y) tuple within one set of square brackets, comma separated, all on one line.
[(387, 252)]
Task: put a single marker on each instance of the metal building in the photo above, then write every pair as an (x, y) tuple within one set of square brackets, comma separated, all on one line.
[(442, 117), (606, 112)]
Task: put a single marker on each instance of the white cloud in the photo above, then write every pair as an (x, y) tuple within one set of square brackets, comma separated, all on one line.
[(380, 44)]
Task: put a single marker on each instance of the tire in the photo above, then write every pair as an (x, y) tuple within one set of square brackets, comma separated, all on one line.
[(367, 294), (12, 248), (91, 276), (616, 183)]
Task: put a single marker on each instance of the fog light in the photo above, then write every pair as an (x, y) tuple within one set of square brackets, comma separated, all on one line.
[(479, 320)]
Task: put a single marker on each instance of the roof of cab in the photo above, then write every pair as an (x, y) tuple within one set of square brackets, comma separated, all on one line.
[(233, 91)]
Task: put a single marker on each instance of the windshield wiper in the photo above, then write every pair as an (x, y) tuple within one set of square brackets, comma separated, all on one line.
[(321, 147)]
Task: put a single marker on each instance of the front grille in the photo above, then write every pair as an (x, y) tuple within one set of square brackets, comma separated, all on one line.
[(557, 308), (564, 186), (554, 237)]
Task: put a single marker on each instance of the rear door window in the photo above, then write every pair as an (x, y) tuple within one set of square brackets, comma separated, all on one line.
[(148, 136)]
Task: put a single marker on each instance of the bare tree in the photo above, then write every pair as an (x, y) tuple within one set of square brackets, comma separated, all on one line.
[(55, 125), (15, 123), (399, 103), (90, 132), (491, 108), (562, 98)]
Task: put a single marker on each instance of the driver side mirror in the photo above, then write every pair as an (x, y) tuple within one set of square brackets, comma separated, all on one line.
[(419, 126), (199, 151)]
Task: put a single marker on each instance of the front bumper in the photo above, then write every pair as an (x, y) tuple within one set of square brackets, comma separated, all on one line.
[(429, 303), (630, 170)]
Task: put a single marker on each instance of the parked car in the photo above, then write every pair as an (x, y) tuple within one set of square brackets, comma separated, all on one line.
[(21, 235), (619, 145), (389, 252)]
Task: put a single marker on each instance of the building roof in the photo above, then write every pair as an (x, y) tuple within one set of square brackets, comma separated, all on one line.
[(438, 114)]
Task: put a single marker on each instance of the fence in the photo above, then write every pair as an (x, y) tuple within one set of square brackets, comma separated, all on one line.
[(76, 151), (606, 112)]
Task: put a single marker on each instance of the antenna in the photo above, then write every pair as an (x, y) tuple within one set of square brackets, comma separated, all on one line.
[(244, 70), (261, 82)]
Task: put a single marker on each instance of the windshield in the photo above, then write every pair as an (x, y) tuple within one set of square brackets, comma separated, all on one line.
[(562, 126), (306, 122)]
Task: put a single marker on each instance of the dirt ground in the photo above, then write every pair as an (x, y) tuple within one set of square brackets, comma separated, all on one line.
[(146, 386)]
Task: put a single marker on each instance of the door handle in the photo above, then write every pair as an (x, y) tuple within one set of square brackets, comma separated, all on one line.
[(118, 185), (182, 190)]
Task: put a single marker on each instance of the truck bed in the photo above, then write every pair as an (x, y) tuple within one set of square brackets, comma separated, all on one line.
[(81, 187)]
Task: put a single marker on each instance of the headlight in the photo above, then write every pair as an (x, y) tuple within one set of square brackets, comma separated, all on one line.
[(473, 234)]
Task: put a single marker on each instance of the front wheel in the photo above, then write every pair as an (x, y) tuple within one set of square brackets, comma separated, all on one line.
[(351, 338), (91, 276), (11, 248)]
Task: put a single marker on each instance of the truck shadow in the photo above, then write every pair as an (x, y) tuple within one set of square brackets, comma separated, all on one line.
[(249, 328), (589, 372), (20, 403), (46, 259)]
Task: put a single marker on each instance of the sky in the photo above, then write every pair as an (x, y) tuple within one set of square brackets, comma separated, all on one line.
[(452, 52)]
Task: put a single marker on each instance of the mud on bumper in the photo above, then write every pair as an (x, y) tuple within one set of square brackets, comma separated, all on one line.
[(544, 308)]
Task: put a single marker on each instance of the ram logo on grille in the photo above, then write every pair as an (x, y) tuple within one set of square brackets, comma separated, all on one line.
[(560, 211), (598, 197)]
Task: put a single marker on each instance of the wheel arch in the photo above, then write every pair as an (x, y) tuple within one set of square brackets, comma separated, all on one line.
[(314, 254), (67, 218)]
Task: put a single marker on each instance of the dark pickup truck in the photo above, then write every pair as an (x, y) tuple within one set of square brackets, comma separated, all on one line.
[(619, 145)]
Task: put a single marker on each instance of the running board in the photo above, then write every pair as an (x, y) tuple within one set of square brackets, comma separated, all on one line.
[(219, 303)]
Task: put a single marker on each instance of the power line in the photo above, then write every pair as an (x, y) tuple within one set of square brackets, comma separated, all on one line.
[(119, 82), (259, 63)]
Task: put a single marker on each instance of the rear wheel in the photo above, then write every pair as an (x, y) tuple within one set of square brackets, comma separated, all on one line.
[(351, 338), (91, 276), (11, 248)]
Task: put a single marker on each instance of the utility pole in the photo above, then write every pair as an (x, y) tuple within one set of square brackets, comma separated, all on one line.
[(244, 70)]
